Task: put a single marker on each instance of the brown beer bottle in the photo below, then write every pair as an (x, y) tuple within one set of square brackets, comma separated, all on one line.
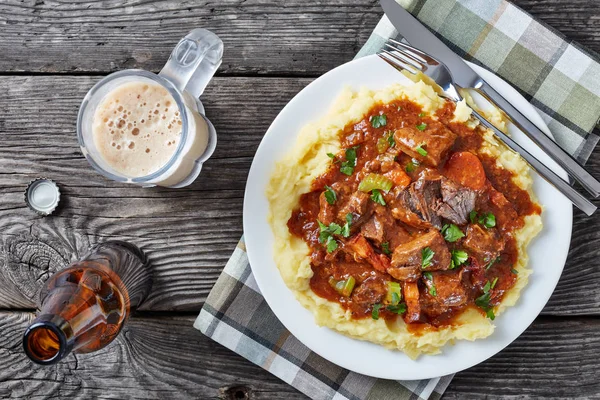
[(84, 306)]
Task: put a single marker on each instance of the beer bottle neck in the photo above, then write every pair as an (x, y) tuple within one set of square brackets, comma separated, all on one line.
[(48, 339)]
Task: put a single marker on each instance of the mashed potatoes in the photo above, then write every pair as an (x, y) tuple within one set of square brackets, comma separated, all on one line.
[(308, 159)]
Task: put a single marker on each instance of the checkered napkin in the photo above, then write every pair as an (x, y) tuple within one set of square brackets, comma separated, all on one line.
[(559, 78), (237, 316)]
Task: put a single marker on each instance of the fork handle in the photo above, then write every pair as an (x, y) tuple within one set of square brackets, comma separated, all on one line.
[(576, 198), (550, 147)]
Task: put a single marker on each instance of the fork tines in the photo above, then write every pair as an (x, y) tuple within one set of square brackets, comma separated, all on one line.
[(404, 57)]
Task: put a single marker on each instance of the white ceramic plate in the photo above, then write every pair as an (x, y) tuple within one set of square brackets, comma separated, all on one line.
[(547, 253)]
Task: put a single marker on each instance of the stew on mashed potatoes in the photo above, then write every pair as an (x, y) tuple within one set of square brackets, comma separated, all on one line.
[(411, 220)]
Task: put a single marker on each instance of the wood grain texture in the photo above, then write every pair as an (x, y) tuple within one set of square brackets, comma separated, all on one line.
[(158, 357), (152, 358), (188, 233), (260, 36)]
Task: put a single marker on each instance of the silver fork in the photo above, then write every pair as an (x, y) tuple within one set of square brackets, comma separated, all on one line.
[(404, 57)]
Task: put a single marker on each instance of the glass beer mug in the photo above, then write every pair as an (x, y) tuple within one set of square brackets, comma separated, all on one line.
[(174, 159), (84, 306)]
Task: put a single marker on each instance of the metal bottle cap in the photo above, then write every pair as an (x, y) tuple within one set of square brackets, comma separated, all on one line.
[(42, 196)]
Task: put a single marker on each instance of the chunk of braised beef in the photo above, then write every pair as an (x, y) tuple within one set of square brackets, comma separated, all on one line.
[(394, 232), (431, 198), (456, 203), (327, 212), (373, 229), (485, 244), (448, 288), (405, 273), (404, 210), (410, 254), (424, 193), (504, 210), (411, 298), (435, 139), (371, 291), (415, 205), (358, 206)]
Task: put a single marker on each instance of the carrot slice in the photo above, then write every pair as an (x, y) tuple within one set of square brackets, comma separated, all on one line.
[(465, 168), (398, 176)]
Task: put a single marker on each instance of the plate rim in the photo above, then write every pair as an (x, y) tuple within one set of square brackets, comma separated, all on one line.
[(258, 276)]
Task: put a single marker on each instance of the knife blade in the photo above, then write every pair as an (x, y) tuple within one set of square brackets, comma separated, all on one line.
[(421, 37)]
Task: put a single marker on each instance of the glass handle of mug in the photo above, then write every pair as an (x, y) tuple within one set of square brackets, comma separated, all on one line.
[(194, 61)]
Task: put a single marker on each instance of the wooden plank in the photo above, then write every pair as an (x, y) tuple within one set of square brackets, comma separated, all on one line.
[(553, 359), (260, 36), (188, 233), (153, 358), (161, 356)]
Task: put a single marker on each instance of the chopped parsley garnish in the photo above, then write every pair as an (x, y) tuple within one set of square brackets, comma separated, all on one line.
[(422, 126), (487, 219), (421, 115), (494, 261), (377, 121), (483, 301), (473, 216), (432, 289), (452, 233), (326, 233), (412, 165), (375, 311), (419, 149), (346, 227), (331, 155), (397, 309), (385, 248), (391, 139), (331, 244), (426, 257), (377, 197), (514, 271), (330, 195), (459, 257), (347, 167)]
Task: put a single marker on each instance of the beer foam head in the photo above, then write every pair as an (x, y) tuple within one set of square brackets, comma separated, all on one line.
[(137, 127)]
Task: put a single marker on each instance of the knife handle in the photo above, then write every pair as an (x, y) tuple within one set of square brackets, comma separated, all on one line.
[(569, 191), (550, 147)]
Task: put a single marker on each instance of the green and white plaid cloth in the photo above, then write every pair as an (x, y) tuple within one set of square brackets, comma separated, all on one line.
[(561, 80), (557, 76), (238, 317)]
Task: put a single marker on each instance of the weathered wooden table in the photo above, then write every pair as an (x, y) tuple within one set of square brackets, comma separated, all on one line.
[(52, 52)]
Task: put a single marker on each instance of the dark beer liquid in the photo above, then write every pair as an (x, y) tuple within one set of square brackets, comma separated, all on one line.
[(83, 308)]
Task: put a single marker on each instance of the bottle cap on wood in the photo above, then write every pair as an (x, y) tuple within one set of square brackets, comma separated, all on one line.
[(42, 196)]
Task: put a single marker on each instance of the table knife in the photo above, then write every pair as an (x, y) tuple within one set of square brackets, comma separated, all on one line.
[(421, 37)]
